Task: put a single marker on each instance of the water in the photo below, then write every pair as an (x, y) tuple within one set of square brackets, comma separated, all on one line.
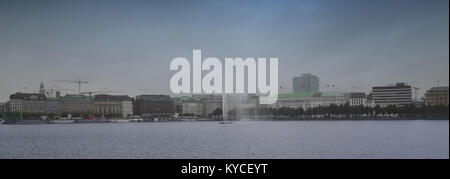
[(262, 139)]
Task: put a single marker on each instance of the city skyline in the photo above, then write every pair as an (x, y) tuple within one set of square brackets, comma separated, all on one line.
[(128, 46)]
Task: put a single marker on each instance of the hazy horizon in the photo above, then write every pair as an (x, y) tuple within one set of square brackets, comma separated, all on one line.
[(128, 45)]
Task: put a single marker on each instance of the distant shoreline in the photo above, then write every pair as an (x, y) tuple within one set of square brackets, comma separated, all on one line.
[(36, 122)]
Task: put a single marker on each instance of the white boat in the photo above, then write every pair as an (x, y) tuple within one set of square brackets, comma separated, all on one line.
[(122, 120), (62, 121)]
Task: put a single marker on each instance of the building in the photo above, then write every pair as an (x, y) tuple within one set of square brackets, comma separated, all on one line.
[(369, 101), (437, 96), (200, 105), (211, 102), (192, 105), (153, 105), (76, 104), (27, 103), (113, 105), (177, 104), (15, 106), (307, 83), (309, 100), (3, 107), (357, 99), (53, 106), (41, 88), (399, 94)]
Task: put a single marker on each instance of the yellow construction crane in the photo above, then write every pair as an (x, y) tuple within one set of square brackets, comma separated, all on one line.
[(79, 82)]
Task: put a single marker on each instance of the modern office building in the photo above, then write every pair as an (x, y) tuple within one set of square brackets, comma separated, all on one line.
[(307, 83), (27, 103), (153, 105), (76, 104), (115, 105), (399, 94), (309, 100), (437, 96)]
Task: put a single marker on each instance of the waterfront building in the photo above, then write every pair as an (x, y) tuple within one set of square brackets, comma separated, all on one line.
[(76, 104), (418, 103), (53, 106), (116, 105), (437, 96), (177, 104), (200, 105), (153, 105), (27, 103), (2, 107), (192, 105), (369, 101), (357, 99), (399, 94), (306, 83), (211, 102), (309, 100), (15, 106)]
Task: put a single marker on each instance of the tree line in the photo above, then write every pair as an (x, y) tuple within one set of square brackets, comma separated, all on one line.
[(347, 111)]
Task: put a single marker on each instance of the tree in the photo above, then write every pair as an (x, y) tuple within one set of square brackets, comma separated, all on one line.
[(217, 112), (51, 115)]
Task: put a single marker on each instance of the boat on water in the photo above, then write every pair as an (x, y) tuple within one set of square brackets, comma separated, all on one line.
[(62, 121), (225, 122), (137, 120), (122, 120)]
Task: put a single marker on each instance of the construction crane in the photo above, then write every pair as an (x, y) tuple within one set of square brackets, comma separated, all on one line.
[(415, 92), (90, 93), (79, 82), (51, 91)]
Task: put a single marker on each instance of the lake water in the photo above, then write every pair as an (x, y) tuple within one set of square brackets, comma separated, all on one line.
[(254, 139)]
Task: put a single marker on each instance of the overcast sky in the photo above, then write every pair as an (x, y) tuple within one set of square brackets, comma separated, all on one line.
[(128, 45)]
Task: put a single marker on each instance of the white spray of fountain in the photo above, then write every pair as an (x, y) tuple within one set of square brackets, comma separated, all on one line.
[(238, 106)]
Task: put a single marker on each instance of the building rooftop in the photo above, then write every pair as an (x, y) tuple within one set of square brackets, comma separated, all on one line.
[(357, 95), (105, 97), (392, 86), (435, 89), (27, 96), (153, 98), (332, 94), (75, 97), (311, 94), (186, 98)]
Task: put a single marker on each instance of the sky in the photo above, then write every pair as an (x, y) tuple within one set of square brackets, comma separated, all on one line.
[(127, 45)]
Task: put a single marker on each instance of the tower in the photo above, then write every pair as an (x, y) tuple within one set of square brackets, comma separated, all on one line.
[(41, 88), (305, 83)]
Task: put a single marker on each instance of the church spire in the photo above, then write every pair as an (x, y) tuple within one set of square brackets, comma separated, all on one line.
[(42, 88)]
